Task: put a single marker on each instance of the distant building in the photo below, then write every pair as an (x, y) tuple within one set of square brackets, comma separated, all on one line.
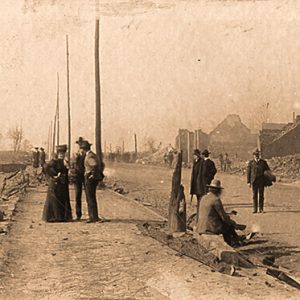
[(280, 139), (233, 137), (185, 142)]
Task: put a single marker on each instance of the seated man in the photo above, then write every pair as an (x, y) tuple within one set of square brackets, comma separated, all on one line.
[(214, 220)]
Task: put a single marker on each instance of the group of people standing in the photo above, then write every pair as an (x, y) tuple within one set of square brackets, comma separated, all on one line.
[(211, 216), (38, 158), (87, 172)]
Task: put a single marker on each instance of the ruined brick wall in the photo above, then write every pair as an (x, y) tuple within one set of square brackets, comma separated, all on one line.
[(287, 144)]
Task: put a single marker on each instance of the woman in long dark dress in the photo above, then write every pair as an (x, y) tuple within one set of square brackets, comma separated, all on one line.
[(57, 207)]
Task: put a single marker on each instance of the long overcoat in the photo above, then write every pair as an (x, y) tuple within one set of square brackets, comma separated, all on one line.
[(255, 171), (198, 186), (57, 207), (209, 171)]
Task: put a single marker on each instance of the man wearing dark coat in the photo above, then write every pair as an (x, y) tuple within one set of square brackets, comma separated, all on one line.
[(92, 175), (209, 168), (256, 179), (78, 168), (57, 207), (35, 159), (42, 159), (214, 220), (197, 180)]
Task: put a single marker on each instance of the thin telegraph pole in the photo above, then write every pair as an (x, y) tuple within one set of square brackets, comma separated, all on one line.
[(97, 93), (57, 108), (69, 105)]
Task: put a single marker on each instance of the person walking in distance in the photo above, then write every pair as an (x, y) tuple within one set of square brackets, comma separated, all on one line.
[(256, 180), (209, 169), (197, 181), (92, 175), (78, 169)]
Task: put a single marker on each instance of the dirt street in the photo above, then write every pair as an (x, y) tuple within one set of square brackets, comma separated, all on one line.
[(279, 226), (111, 260)]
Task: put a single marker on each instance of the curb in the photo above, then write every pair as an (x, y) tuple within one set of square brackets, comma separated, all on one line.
[(138, 203)]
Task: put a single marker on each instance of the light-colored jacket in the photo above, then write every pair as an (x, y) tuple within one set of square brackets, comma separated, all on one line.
[(212, 215), (92, 165)]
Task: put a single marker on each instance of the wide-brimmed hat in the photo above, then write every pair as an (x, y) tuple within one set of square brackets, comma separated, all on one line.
[(61, 148), (85, 144), (205, 152), (256, 151), (216, 184), (197, 152)]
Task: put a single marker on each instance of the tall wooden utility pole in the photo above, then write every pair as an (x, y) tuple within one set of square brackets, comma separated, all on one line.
[(50, 142), (135, 145), (57, 108), (69, 105), (98, 94), (54, 133)]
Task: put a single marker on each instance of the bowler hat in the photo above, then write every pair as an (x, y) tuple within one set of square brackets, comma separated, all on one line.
[(216, 184), (205, 152), (256, 151), (85, 144), (61, 148), (197, 152)]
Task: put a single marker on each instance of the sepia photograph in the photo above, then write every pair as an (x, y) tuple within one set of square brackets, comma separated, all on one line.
[(149, 149)]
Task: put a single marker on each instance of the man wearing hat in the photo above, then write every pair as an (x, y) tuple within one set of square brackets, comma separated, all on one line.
[(42, 159), (213, 219), (35, 159), (256, 179), (197, 180), (78, 179), (209, 168), (92, 175)]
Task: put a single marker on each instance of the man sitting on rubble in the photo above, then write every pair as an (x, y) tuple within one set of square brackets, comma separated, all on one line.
[(214, 220)]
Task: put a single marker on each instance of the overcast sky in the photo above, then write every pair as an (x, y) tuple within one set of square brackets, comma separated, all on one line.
[(164, 65)]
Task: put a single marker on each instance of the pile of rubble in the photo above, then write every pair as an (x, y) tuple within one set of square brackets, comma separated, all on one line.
[(156, 158), (286, 167)]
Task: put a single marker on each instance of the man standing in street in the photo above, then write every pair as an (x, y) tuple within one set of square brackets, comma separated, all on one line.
[(78, 169), (92, 175), (35, 159), (198, 187), (256, 180), (209, 169), (42, 159)]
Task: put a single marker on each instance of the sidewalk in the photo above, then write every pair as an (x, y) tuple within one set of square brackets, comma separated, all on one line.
[(111, 260)]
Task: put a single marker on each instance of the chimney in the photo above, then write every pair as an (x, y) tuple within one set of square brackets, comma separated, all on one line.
[(294, 117)]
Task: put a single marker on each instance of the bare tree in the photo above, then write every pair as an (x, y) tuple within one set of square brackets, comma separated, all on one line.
[(150, 145), (16, 135), (26, 145)]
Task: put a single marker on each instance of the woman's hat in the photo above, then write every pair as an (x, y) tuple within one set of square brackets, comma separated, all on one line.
[(80, 140), (61, 148), (216, 184)]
